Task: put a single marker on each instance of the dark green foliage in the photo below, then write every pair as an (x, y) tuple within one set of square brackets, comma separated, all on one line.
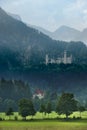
[(42, 108), (1, 119), (81, 109), (8, 103), (45, 107), (49, 107), (66, 104), (11, 91), (36, 102), (86, 104), (9, 111), (26, 108), (50, 68), (15, 118)]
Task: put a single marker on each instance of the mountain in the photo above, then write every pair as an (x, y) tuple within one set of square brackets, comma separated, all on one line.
[(19, 40), (22, 46), (83, 36), (65, 33), (22, 56), (70, 34)]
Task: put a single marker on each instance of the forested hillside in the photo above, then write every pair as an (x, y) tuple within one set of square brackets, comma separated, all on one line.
[(22, 46)]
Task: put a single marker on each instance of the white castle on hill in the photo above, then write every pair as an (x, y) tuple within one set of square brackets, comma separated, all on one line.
[(59, 60)]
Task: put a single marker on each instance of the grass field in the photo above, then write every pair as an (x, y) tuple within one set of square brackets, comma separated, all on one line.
[(46, 124), (43, 125)]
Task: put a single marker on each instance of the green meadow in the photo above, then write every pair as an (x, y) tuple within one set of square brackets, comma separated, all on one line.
[(51, 122), (43, 125)]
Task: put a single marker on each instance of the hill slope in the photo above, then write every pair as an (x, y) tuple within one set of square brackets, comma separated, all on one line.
[(22, 45)]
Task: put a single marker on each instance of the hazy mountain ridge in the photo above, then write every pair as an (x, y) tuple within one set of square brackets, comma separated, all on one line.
[(41, 29), (66, 33)]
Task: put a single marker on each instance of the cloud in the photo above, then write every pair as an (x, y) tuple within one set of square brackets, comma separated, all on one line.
[(75, 14), (49, 14), (40, 12), (85, 11)]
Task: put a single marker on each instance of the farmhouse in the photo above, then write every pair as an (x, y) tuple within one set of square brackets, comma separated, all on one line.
[(38, 93)]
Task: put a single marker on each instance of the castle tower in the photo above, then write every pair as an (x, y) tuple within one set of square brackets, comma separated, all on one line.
[(47, 59), (65, 58), (70, 59)]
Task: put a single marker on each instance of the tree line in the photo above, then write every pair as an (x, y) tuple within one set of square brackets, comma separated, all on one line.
[(66, 104), (11, 91)]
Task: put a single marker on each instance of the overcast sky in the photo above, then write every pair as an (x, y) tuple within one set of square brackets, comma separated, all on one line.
[(49, 14)]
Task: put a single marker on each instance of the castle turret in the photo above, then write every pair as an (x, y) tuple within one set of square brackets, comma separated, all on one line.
[(65, 58), (47, 59)]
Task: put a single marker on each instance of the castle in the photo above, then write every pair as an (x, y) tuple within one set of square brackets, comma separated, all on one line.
[(59, 60)]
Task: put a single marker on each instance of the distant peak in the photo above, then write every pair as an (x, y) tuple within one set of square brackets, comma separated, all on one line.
[(85, 30), (66, 28)]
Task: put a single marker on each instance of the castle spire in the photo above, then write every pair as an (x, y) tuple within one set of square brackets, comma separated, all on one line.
[(65, 57), (47, 59)]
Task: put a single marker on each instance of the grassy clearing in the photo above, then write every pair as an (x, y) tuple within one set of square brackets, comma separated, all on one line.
[(43, 125)]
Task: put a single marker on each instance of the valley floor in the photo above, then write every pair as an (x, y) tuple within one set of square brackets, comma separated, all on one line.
[(44, 125), (38, 123)]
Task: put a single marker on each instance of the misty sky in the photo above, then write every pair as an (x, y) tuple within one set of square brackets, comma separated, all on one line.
[(49, 14)]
